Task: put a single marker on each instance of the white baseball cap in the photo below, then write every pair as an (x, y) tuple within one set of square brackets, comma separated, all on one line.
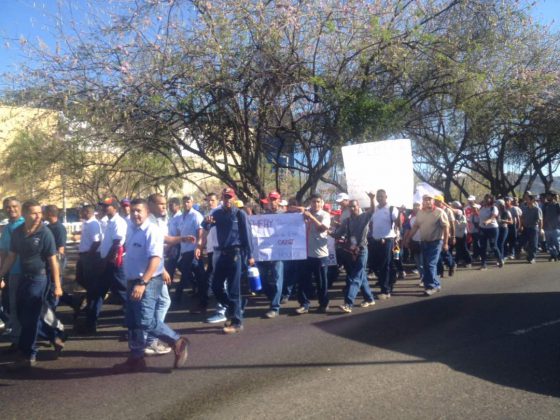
[(341, 197)]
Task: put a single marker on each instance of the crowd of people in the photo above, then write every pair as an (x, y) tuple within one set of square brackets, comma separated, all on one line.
[(139, 249)]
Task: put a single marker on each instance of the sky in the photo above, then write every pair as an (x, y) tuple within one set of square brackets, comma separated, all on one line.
[(30, 19)]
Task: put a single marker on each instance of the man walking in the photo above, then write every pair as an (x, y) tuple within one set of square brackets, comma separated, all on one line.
[(318, 223), (143, 269), (12, 208), (234, 240), (34, 244), (434, 234), (111, 252), (355, 252), (385, 221)]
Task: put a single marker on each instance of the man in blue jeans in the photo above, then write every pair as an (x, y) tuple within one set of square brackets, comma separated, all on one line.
[(143, 269), (531, 224), (385, 222), (434, 234), (317, 223), (234, 243), (12, 208), (353, 231), (34, 244), (272, 272)]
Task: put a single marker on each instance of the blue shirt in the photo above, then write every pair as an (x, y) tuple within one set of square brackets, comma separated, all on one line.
[(232, 228), (5, 240), (142, 243), (188, 224)]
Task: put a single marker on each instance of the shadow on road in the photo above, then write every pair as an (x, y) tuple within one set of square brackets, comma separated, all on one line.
[(508, 339)]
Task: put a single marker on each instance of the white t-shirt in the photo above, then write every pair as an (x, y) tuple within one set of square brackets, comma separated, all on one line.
[(91, 232), (116, 230), (382, 223)]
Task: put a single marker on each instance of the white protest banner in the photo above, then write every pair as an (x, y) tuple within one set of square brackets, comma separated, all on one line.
[(424, 188), (383, 165), (278, 237)]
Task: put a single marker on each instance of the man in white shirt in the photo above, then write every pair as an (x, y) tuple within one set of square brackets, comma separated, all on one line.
[(318, 223), (191, 265), (384, 224), (111, 253)]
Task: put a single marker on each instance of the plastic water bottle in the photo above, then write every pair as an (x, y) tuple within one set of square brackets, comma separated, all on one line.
[(254, 279)]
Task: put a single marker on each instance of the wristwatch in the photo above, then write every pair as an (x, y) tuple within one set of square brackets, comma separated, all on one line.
[(141, 282)]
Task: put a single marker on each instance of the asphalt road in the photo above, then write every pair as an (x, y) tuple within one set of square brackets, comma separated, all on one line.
[(488, 346)]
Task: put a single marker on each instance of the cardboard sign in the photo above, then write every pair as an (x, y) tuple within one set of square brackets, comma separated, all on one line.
[(278, 237), (383, 165)]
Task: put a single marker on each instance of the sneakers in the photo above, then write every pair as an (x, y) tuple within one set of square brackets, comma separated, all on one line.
[(233, 329), (22, 364), (384, 296), (217, 317), (130, 365), (366, 304), (532, 261), (156, 349), (58, 345), (500, 263), (271, 314), (430, 292), (2, 325), (483, 268), (181, 352), (346, 308), (302, 310)]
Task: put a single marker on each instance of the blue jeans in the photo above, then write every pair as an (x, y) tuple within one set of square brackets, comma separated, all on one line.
[(552, 242), (356, 278), (503, 233), (382, 255), (445, 257), (192, 270), (30, 295), (430, 257), (162, 306), (489, 234), (272, 275), (15, 324), (461, 251), (227, 274), (112, 279), (314, 269), (531, 236), (141, 318)]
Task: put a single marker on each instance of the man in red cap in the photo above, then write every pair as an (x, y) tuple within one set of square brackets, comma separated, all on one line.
[(272, 272), (234, 242)]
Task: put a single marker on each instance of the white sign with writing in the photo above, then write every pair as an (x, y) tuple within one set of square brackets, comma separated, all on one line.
[(278, 237), (383, 165)]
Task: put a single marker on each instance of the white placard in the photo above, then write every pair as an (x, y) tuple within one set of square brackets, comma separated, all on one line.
[(278, 237), (380, 165)]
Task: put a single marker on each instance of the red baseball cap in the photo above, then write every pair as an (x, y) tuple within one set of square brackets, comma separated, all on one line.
[(228, 192), (274, 195)]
